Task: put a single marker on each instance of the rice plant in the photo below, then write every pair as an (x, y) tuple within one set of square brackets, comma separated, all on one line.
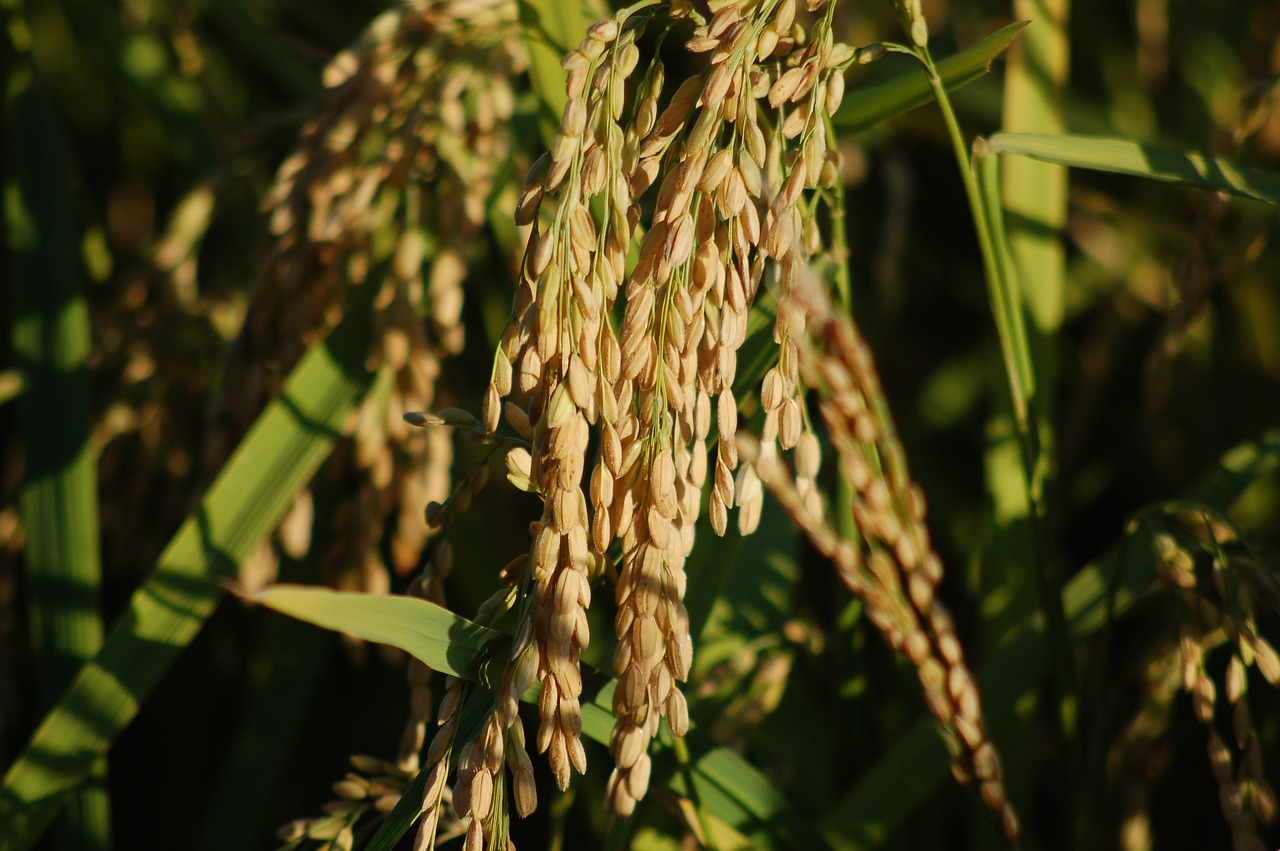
[(722, 421)]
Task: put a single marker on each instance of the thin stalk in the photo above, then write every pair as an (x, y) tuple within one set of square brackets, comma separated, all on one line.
[(685, 762), (1095, 741), (559, 819), (839, 241), (844, 299), (1020, 380), (58, 498), (1021, 377)]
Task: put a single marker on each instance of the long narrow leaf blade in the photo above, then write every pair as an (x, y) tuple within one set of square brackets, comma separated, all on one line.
[(59, 497), (1122, 156), (551, 29), (276, 459), (441, 640), (729, 787), (864, 107), (1034, 195)]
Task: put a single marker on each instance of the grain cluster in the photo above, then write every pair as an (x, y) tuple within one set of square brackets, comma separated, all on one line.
[(889, 563), (380, 203), (666, 214), (726, 160), (1219, 584)]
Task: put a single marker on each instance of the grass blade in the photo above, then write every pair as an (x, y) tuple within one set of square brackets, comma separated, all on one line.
[(248, 499), (728, 787), (442, 640), (1034, 193), (59, 495), (866, 106), (917, 763), (1122, 156), (551, 29), (1034, 198), (737, 794)]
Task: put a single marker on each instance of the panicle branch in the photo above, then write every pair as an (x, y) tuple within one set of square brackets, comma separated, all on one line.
[(890, 564), (423, 98)]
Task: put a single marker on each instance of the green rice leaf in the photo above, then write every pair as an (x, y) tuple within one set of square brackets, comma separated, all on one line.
[(441, 640), (59, 494), (551, 29), (737, 794), (866, 106), (1031, 211), (274, 461), (1122, 156)]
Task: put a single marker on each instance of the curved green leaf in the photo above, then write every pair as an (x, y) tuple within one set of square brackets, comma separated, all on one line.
[(1122, 156), (864, 107), (441, 640)]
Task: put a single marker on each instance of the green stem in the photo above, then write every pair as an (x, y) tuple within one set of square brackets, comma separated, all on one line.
[(844, 298), (560, 807), (683, 759), (839, 241), (1094, 770), (1021, 377)]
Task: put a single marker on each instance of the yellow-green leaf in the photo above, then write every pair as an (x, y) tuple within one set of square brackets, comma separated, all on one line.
[(864, 107), (1123, 156)]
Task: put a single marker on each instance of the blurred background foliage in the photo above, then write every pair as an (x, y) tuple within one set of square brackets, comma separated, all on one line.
[(173, 118)]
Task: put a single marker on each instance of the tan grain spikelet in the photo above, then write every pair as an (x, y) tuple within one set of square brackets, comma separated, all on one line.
[(679, 242), (715, 171), (1267, 661), (673, 117), (795, 121), (787, 85), (835, 92)]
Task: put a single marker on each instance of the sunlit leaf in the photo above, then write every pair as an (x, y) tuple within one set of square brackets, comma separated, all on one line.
[(445, 642), (864, 107), (1123, 156)]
